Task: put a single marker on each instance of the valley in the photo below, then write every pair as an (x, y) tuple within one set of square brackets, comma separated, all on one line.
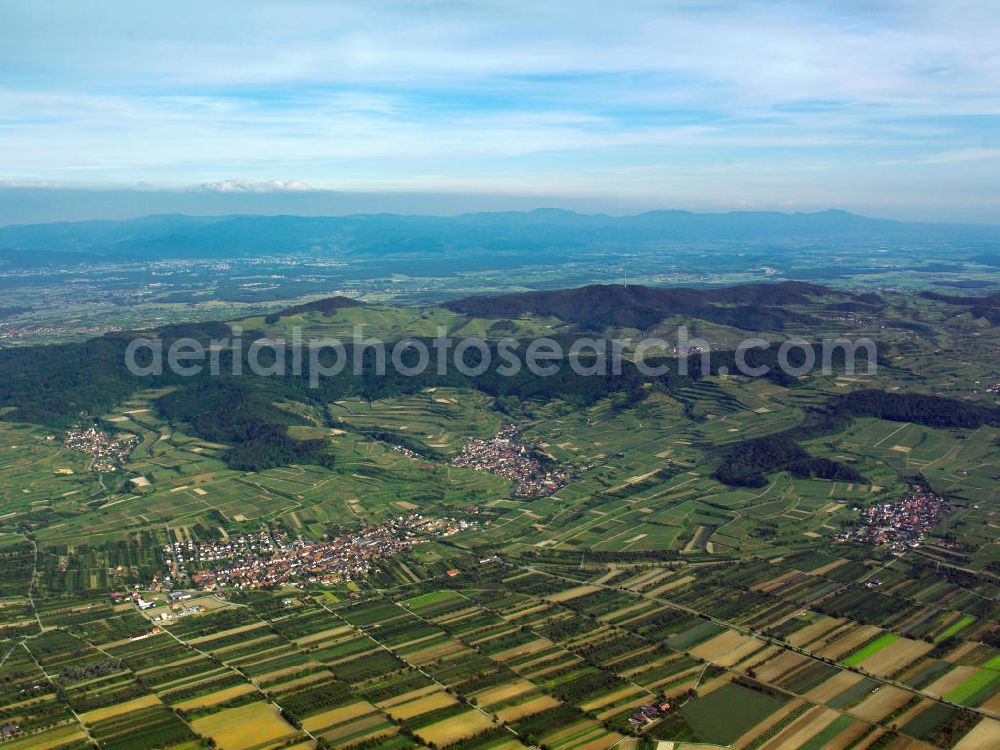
[(623, 605)]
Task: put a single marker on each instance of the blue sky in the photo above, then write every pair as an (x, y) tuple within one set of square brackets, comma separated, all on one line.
[(888, 108)]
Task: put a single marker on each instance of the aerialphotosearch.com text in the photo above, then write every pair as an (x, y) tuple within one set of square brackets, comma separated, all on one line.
[(320, 357)]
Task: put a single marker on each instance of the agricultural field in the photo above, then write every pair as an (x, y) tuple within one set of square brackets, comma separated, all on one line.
[(646, 599)]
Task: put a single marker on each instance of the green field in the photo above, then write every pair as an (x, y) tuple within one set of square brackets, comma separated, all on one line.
[(869, 650), (729, 712), (981, 685), (957, 626)]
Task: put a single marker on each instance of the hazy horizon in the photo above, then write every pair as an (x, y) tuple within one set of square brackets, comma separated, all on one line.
[(22, 206), (888, 109)]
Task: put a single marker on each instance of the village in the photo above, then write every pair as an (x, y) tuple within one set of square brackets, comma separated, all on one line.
[(108, 451), (404, 451), (271, 558), (503, 456), (900, 525)]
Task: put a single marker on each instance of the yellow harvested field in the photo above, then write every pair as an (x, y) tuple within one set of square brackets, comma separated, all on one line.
[(774, 583), (614, 697), (895, 656), (854, 638), (551, 664), (573, 593), (309, 678), (337, 716), (880, 704), (670, 585), (825, 639), (783, 663), (440, 699), (718, 645), (963, 648), (992, 705), (607, 576), (738, 654), (153, 668), (450, 649), (528, 708), (503, 692), (812, 631), (772, 720), (986, 734), (205, 639), (373, 723), (264, 646), (847, 737), (525, 649), (509, 745), (245, 726), (119, 708), (811, 724), (323, 635), (643, 579), (572, 731), (454, 729), (834, 686), (409, 696), (211, 699), (950, 681), (414, 642), (602, 742), (267, 676), (618, 614)]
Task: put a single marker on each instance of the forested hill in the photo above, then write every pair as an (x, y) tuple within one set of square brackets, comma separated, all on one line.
[(327, 306), (746, 463), (979, 307), (750, 307)]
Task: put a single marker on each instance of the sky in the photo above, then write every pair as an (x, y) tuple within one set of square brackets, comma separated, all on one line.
[(884, 107)]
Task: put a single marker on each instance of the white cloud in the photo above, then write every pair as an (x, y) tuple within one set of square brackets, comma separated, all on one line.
[(251, 186), (693, 95), (965, 154)]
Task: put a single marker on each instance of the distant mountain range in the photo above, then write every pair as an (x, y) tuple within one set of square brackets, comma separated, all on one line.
[(513, 233)]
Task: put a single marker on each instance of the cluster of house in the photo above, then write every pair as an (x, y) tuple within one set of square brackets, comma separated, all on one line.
[(504, 456), (404, 451), (271, 557), (109, 452), (16, 332), (993, 388), (267, 542), (177, 609), (646, 714), (900, 525)]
